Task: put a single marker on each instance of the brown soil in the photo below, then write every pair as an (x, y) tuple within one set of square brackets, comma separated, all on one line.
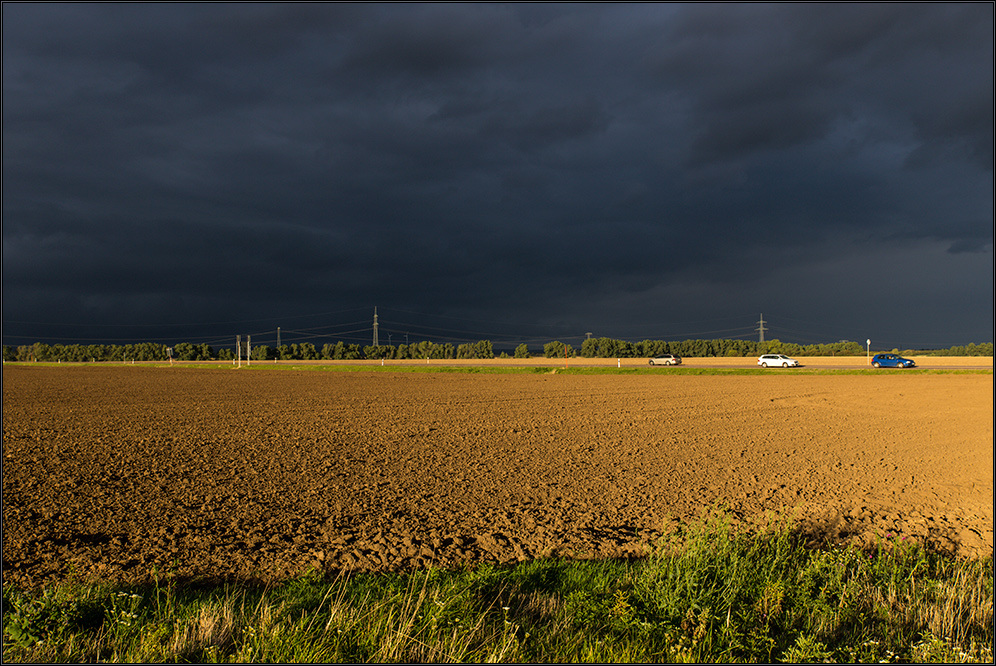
[(116, 472)]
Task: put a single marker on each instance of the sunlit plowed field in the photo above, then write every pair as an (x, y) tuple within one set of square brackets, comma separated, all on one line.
[(119, 471)]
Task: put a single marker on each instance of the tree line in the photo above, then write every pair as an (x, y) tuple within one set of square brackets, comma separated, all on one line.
[(482, 349), (611, 348), (185, 351)]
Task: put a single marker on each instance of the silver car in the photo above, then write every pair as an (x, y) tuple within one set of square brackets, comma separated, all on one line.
[(666, 359), (777, 360)]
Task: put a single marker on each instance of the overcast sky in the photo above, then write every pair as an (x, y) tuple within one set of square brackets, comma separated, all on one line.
[(529, 172)]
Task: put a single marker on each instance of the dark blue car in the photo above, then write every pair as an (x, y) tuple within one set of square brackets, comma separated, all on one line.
[(891, 361)]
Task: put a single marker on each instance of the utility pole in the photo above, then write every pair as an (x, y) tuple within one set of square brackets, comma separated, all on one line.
[(278, 337), (760, 328), (375, 342)]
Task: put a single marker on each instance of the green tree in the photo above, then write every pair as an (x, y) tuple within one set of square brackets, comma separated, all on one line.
[(479, 349), (427, 349), (41, 352), (184, 351), (625, 350), (651, 348), (378, 351), (599, 348), (522, 351), (150, 351), (557, 349), (589, 348)]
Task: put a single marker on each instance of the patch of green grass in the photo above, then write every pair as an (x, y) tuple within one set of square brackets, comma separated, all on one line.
[(607, 370), (707, 593), (440, 366)]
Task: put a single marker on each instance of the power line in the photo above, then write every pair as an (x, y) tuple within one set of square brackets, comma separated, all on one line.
[(97, 341), (323, 328), (180, 325)]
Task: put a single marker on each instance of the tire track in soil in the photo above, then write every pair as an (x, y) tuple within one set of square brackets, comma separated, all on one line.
[(119, 471)]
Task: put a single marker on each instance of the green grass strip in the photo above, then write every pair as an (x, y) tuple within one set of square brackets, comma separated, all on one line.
[(707, 593), (440, 366)]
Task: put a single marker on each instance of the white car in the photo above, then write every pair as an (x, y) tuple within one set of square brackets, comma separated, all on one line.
[(666, 359), (776, 360)]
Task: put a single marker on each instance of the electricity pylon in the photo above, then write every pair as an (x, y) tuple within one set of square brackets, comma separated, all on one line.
[(760, 328)]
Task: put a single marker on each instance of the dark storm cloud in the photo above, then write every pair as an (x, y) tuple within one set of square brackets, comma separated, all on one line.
[(570, 165)]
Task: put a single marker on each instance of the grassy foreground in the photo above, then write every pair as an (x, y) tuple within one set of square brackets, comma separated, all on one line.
[(708, 593)]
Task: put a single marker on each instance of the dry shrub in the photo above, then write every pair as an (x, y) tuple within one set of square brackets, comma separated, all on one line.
[(961, 604), (212, 628)]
